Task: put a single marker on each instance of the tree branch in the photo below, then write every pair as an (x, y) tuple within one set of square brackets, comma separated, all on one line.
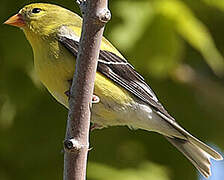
[(76, 143)]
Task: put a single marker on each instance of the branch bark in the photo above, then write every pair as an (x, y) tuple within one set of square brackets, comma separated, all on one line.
[(76, 143)]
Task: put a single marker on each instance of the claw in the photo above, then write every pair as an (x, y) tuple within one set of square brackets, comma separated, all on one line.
[(95, 99), (67, 93), (82, 4)]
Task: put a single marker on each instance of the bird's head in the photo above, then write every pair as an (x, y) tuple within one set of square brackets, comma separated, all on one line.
[(41, 18)]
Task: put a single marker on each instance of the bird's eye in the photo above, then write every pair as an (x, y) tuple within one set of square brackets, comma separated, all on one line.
[(36, 10)]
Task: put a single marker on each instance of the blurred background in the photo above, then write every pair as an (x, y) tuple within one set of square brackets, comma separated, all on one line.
[(177, 45)]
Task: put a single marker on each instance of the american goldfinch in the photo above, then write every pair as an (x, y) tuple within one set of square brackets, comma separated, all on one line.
[(124, 97)]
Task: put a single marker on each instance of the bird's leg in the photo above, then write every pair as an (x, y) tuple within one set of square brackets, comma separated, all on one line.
[(67, 93), (95, 99), (94, 126), (82, 4)]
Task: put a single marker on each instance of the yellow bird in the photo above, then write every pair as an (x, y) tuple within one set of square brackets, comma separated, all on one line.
[(125, 98)]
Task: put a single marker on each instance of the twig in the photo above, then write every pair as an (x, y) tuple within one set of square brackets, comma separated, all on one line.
[(76, 142)]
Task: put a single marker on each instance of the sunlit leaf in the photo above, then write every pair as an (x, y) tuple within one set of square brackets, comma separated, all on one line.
[(135, 19), (161, 48), (216, 3), (193, 31)]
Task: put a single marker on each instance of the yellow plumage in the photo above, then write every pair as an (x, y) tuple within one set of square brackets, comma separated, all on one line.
[(125, 99), (55, 65), (59, 69)]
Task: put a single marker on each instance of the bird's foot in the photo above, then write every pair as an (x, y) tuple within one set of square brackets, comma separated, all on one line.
[(94, 126), (67, 93), (95, 99), (82, 4)]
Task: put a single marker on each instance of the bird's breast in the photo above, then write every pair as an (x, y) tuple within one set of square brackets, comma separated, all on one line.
[(56, 69)]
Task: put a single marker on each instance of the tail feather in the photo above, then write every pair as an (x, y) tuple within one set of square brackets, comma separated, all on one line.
[(197, 152), (205, 147)]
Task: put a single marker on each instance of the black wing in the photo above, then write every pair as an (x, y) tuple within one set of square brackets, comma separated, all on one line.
[(120, 71)]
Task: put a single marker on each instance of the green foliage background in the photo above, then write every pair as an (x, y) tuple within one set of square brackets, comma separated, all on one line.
[(178, 46)]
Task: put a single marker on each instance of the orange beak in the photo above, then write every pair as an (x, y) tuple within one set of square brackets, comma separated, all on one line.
[(16, 20)]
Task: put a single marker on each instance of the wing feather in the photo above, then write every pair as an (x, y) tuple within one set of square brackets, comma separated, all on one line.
[(121, 72)]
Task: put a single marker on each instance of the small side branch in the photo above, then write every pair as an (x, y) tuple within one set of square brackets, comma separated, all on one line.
[(72, 145), (76, 144)]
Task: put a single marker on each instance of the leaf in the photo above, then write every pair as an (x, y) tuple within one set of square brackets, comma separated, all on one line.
[(160, 48), (193, 31), (216, 3), (135, 17)]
